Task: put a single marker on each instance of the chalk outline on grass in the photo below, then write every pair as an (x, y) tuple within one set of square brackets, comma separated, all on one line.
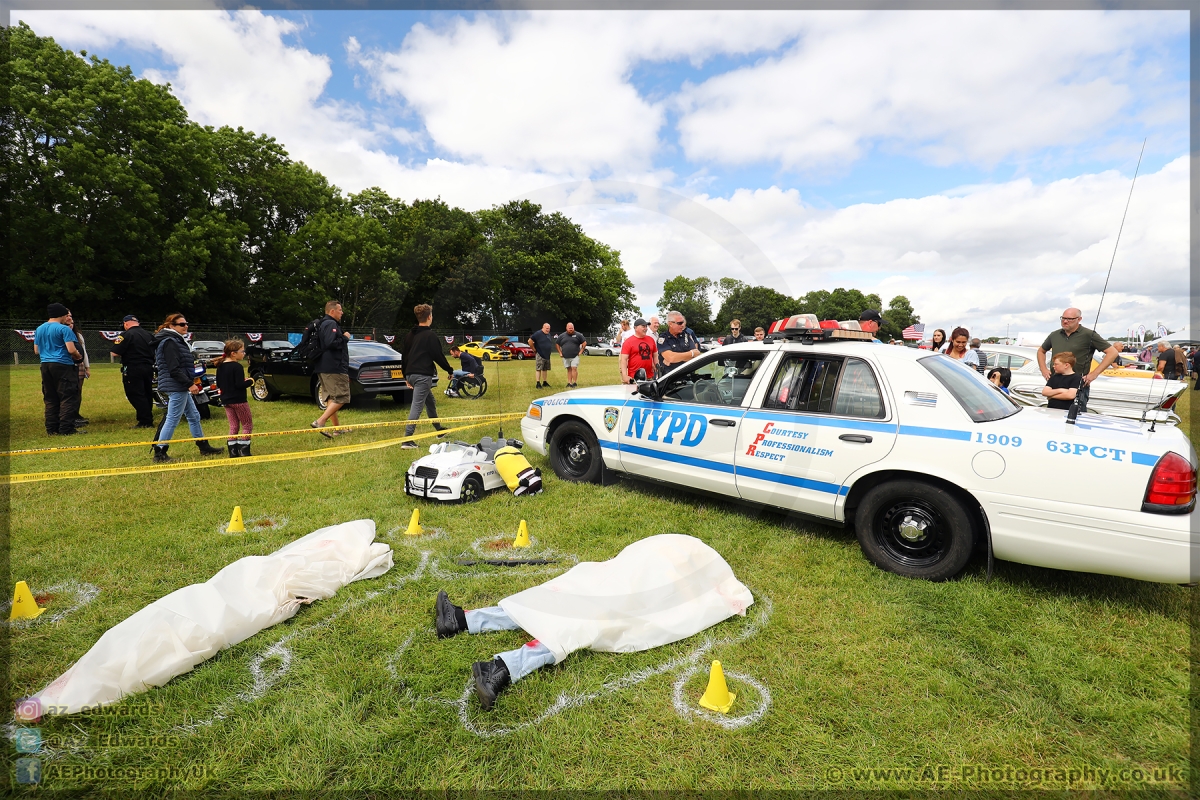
[(691, 660)]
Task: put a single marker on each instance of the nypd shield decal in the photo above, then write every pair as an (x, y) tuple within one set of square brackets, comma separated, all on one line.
[(610, 417)]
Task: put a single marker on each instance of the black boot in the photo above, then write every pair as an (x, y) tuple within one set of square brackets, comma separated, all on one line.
[(245, 448), (207, 449), (234, 449), (448, 618), (160, 454), (491, 678)]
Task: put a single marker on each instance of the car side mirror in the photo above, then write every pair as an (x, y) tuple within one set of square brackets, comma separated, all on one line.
[(640, 375), (644, 387)]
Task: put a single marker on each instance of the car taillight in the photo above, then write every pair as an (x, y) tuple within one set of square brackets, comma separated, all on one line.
[(1172, 488), (1170, 402)]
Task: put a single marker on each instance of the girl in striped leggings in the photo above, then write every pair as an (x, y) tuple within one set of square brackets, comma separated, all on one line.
[(232, 382)]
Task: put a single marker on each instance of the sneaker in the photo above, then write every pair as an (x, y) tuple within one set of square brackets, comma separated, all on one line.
[(409, 446), (491, 678), (160, 455), (449, 619), (451, 393), (81, 421), (537, 385)]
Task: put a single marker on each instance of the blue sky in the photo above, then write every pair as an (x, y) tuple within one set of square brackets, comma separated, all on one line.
[(883, 151)]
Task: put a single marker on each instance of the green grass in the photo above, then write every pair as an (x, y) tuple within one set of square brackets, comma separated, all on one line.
[(1035, 669)]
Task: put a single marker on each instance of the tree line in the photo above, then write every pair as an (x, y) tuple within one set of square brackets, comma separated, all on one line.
[(759, 306), (120, 204)]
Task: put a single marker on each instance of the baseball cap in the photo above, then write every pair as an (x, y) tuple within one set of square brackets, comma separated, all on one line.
[(870, 315), (640, 321), (130, 318)]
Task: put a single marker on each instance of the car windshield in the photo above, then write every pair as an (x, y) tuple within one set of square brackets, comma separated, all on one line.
[(972, 391), (360, 348), (209, 345)]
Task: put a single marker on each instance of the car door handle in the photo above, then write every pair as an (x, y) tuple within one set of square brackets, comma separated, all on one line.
[(862, 438), (724, 423)]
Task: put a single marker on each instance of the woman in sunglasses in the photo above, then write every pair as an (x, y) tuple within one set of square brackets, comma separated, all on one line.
[(174, 361)]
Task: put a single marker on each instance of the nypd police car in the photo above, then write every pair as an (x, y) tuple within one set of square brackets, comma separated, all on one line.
[(922, 457)]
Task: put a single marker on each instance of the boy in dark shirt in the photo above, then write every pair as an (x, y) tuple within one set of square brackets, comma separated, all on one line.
[(1063, 383)]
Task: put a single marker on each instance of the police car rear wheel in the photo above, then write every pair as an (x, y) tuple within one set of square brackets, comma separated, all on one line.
[(472, 489), (914, 529), (261, 391), (575, 453)]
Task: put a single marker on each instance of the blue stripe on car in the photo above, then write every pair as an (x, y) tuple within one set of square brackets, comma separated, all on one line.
[(1144, 459)]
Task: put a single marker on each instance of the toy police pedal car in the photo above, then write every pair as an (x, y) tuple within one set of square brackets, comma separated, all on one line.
[(923, 458), (462, 472)]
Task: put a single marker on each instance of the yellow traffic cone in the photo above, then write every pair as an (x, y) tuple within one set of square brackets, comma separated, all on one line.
[(522, 539), (235, 522), (717, 696), (414, 524), (24, 606)]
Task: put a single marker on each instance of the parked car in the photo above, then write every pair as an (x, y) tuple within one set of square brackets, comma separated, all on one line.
[(486, 352), (517, 350), (375, 369), (276, 346), (206, 351), (1113, 395), (918, 454), (602, 347)]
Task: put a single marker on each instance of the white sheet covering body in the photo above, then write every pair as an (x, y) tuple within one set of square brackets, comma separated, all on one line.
[(175, 633), (654, 592)]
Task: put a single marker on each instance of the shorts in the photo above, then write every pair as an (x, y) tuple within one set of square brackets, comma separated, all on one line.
[(336, 387), (571, 363), (541, 364)]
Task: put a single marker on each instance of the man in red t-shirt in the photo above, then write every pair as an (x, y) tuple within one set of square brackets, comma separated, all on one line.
[(638, 352)]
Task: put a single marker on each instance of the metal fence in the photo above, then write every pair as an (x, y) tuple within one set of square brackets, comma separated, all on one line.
[(98, 334)]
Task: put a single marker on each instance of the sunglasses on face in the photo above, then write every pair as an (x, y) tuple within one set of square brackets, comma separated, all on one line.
[(1068, 319), (179, 324)]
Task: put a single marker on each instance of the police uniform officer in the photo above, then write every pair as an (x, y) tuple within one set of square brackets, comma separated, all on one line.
[(136, 348), (678, 339)]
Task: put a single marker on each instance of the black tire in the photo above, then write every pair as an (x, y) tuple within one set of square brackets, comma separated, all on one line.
[(473, 389), (318, 396), (520, 356), (608, 353), (204, 410), (472, 489), (260, 391), (575, 453), (914, 529)]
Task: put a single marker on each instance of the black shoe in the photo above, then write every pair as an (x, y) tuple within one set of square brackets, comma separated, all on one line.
[(491, 678), (70, 432), (449, 619), (52, 433), (207, 449), (537, 385), (143, 425), (234, 449), (81, 421), (160, 454), (245, 449), (408, 446)]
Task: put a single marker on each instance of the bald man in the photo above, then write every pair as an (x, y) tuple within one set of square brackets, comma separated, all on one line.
[(1074, 338)]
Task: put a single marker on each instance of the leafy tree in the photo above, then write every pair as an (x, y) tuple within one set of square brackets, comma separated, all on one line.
[(898, 316), (727, 286), (840, 304), (689, 296), (755, 306)]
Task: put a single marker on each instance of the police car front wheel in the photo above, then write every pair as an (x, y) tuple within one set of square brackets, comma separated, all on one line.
[(575, 453), (914, 529)]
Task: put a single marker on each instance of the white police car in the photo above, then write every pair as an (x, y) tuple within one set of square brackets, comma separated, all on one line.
[(925, 459)]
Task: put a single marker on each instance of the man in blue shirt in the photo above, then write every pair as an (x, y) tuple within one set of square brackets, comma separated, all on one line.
[(54, 343)]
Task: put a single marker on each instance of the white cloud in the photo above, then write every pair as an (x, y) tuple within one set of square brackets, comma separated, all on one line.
[(946, 86)]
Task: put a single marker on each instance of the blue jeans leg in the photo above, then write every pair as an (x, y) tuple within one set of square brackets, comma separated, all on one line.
[(526, 659), (180, 404), (489, 620)]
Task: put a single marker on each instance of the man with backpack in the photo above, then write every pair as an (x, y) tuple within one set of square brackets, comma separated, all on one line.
[(332, 364)]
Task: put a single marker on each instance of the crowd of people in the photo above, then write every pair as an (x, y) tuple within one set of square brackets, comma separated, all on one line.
[(646, 351)]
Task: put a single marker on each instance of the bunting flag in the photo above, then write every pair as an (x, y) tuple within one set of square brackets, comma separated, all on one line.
[(389, 339), (111, 336), (449, 340), (916, 332), (26, 335), (254, 337)]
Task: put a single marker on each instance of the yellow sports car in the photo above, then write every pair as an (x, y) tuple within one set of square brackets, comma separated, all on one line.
[(486, 352)]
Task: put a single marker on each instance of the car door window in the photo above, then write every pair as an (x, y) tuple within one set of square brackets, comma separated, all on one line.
[(719, 381), (803, 383), (858, 393)]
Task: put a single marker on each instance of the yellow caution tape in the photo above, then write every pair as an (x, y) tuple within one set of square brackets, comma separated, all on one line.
[(360, 426), (35, 477)]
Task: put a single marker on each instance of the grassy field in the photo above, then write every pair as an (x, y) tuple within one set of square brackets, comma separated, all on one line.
[(851, 678)]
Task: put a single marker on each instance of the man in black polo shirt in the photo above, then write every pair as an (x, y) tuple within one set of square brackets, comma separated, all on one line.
[(1081, 341), (735, 333), (543, 345), (677, 346), (135, 347)]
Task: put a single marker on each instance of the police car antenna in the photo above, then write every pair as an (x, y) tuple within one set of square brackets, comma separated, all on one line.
[(1082, 395)]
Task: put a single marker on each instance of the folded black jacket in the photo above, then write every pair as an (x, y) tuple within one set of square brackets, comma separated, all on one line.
[(421, 350)]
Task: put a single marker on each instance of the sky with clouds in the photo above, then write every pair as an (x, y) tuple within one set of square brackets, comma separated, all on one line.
[(976, 162)]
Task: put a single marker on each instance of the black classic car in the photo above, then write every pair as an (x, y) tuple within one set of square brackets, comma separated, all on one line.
[(375, 369)]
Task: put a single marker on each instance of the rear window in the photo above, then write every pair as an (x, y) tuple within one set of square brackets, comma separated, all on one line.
[(978, 398)]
